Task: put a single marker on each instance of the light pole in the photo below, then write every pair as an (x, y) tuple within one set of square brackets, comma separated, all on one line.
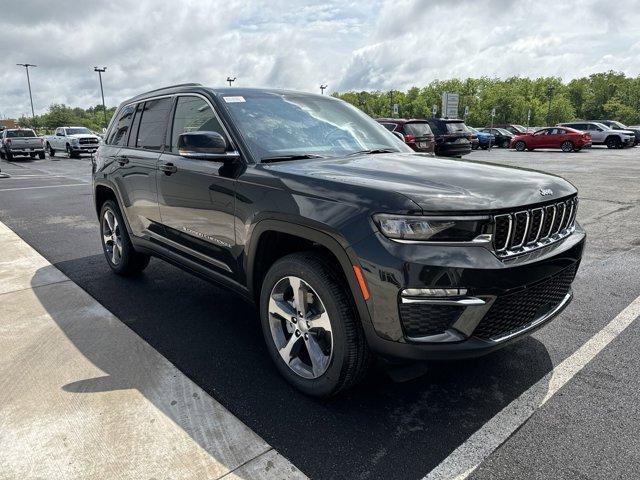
[(26, 67), (322, 88), (104, 107), (231, 80)]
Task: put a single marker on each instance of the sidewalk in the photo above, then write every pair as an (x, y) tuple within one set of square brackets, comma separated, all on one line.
[(82, 396)]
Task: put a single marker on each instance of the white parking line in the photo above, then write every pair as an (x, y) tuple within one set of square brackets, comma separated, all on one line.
[(468, 456), (43, 186)]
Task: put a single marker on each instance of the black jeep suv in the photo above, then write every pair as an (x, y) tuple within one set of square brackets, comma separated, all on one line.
[(350, 243)]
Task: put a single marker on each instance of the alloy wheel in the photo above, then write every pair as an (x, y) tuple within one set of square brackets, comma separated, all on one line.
[(567, 146), (300, 327), (111, 236)]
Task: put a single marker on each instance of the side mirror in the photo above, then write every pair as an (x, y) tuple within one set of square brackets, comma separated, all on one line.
[(205, 146), (399, 135)]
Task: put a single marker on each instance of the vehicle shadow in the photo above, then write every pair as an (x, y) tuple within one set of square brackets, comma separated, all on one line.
[(379, 429)]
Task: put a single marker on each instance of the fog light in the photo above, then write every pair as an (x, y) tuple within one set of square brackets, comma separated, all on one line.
[(434, 292)]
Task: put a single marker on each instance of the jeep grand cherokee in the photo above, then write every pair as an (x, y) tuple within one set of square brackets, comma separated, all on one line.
[(350, 243)]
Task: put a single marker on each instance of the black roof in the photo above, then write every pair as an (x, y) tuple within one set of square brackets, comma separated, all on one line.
[(198, 88)]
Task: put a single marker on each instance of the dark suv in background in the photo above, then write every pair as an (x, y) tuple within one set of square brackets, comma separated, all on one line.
[(453, 138), (415, 133), (350, 243)]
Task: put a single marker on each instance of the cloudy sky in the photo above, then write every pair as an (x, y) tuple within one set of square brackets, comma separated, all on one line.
[(374, 44)]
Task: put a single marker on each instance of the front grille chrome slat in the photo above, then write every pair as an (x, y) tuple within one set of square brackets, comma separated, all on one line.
[(525, 230)]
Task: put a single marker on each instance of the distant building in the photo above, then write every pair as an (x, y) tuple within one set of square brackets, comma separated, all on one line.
[(8, 123)]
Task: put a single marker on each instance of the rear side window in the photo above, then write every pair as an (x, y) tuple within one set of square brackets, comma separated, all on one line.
[(417, 129), (135, 125), (193, 114), (389, 126), (120, 132), (20, 134), (154, 123), (457, 127)]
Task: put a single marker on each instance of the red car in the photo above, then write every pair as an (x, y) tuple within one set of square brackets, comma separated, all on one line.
[(565, 138)]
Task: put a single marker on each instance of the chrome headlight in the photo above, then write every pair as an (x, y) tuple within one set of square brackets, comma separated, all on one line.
[(433, 229)]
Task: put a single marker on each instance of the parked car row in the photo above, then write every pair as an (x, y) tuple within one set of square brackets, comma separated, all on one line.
[(443, 136)]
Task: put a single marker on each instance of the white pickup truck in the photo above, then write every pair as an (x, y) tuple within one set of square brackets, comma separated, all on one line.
[(72, 140), (16, 142)]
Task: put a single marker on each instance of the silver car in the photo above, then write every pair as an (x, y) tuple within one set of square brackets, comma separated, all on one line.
[(603, 135)]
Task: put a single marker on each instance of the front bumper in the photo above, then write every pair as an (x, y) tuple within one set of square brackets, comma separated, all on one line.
[(486, 317), (85, 148)]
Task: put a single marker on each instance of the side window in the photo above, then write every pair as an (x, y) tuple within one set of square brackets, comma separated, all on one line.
[(193, 114), (154, 123), (389, 126), (119, 133), (133, 136)]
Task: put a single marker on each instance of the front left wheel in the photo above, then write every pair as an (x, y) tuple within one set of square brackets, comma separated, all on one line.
[(116, 244), (310, 325), (520, 146)]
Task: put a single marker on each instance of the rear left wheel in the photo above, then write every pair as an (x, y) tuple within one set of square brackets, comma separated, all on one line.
[(310, 325), (567, 146)]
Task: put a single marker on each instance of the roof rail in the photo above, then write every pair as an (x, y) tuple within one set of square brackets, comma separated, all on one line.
[(174, 86)]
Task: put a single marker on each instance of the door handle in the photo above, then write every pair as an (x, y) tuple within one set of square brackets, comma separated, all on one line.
[(123, 160), (168, 168)]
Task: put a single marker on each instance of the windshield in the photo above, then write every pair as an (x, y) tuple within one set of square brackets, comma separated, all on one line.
[(418, 129), (20, 134), (618, 125), (281, 124), (519, 128), (505, 132), (457, 127), (602, 126), (78, 131)]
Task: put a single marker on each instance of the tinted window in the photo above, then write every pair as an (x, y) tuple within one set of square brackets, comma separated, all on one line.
[(120, 131), (457, 127), (20, 134), (193, 114), (135, 125), (417, 129), (153, 124), (389, 126)]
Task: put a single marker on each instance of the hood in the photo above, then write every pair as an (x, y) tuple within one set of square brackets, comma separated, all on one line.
[(624, 131), (436, 184), (83, 135)]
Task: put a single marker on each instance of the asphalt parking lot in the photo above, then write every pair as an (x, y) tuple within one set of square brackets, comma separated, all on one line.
[(382, 429)]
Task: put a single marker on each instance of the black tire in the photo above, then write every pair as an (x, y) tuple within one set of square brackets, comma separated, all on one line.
[(71, 153), (51, 151), (9, 156), (350, 358), (32, 155), (485, 147), (130, 262), (520, 146), (2, 155), (474, 147), (613, 142), (566, 146), (41, 155)]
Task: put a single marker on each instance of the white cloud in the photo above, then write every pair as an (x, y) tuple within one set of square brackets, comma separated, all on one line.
[(361, 45)]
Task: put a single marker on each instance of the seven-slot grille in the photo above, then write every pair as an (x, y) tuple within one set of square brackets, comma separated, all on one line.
[(524, 230)]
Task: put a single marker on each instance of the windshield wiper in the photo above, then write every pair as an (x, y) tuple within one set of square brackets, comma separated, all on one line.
[(373, 151), (284, 158)]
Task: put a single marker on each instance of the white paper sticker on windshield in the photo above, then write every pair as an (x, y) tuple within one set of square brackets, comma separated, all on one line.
[(233, 99)]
